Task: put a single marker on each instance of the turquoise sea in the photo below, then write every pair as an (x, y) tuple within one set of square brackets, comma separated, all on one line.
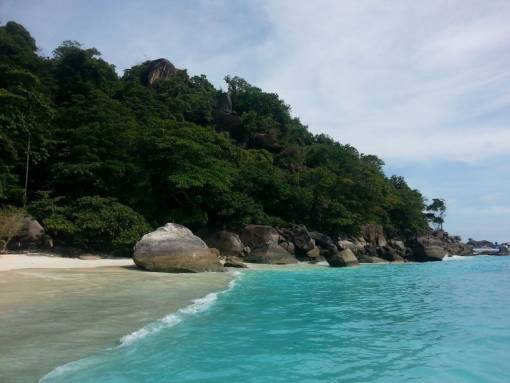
[(434, 322)]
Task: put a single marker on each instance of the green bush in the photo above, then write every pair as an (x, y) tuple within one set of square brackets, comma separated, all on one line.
[(91, 222)]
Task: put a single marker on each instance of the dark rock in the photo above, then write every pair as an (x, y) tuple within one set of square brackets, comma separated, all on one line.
[(264, 141), (324, 242), (174, 248), (314, 256), (374, 234), (230, 123), (256, 236), (343, 258), (303, 242), (224, 103), (428, 248), (234, 262), (264, 242), (89, 257), (397, 244), (228, 243), (389, 254), (458, 248), (365, 258), (159, 69), (503, 250), (289, 246), (270, 254)]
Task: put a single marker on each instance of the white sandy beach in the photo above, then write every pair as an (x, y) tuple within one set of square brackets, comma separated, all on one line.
[(49, 261)]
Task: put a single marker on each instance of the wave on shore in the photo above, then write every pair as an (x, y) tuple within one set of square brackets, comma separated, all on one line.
[(195, 307)]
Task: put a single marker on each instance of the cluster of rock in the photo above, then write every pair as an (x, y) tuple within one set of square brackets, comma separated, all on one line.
[(175, 248), (483, 244), (435, 245)]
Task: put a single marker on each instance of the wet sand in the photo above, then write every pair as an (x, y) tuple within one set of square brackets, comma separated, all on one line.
[(49, 317)]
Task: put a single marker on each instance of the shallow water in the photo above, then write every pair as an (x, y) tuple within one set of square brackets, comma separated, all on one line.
[(433, 322), (51, 317)]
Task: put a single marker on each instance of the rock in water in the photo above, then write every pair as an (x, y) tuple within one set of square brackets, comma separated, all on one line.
[(160, 69), (343, 258), (428, 248), (174, 248)]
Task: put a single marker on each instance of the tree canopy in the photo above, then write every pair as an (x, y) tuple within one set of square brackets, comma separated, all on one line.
[(110, 150)]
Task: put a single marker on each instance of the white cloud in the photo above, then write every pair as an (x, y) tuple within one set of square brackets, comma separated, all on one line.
[(404, 80)]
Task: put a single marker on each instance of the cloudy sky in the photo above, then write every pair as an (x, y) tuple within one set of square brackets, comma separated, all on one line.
[(424, 85)]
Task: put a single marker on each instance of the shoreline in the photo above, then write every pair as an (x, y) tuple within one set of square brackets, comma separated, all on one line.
[(71, 313)]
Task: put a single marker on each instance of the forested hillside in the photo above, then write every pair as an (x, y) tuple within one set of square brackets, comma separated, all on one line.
[(110, 157)]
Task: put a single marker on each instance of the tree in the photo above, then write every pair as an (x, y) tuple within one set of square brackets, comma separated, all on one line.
[(436, 212), (11, 222)]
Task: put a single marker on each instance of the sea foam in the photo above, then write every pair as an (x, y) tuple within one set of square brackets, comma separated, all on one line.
[(197, 306)]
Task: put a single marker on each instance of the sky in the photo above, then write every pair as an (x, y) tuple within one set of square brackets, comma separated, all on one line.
[(425, 85)]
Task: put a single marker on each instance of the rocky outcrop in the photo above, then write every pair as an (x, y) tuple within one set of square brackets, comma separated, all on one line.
[(389, 254), (373, 234), (343, 258), (435, 245), (158, 70), (459, 248), (174, 248), (427, 248), (223, 103), (325, 243), (483, 244), (226, 120), (503, 250), (264, 242), (228, 243)]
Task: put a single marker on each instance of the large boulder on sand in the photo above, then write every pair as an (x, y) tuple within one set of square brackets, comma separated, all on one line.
[(343, 258), (174, 248), (264, 242)]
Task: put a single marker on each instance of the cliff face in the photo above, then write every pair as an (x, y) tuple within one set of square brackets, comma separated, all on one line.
[(159, 69)]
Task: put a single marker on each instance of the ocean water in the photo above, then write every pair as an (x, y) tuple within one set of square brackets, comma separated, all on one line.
[(434, 322)]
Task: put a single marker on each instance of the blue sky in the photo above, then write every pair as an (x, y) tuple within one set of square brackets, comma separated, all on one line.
[(424, 85)]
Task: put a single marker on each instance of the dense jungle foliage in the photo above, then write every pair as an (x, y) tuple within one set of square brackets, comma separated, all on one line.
[(110, 156)]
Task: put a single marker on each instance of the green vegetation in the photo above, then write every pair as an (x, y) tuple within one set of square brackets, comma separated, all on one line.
[(436, 212), (110, 155), (11, 222)]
